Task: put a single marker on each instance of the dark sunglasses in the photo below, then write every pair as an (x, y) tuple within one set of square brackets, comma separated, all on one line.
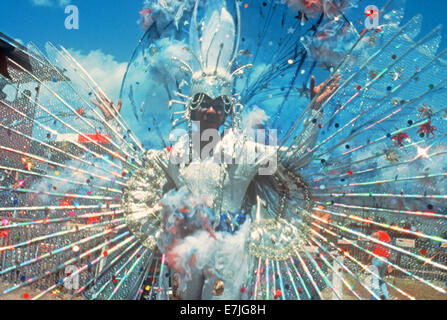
[(203, 102)]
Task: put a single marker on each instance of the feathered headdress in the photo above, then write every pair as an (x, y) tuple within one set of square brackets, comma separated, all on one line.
[(213, 45)]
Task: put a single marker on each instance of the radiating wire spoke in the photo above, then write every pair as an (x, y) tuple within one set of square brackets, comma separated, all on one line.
[(66, 263), (335, 272), (116, 274), (60, 151), (292, 280), (369, 171), (308, 274), (58, 194), (390, 246), (56, 178), (126, 275), (323, 276), (413, 276), (98, 116), (344, 165), (370, 59), (51, 254), (118, 246), (363, 112), (63, 166), (54, 208), (406, 212), (69, 126), (59, 234), (117, 116), (103, 272), (364, 267)]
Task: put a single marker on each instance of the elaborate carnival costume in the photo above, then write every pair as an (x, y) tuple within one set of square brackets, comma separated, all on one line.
[(203, 229)]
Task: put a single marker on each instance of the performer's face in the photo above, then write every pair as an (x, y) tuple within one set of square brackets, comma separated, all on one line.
[(210, 113)]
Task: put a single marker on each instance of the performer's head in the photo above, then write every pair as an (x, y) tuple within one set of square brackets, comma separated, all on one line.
[(214, 49), (211, 113), (211, 100)]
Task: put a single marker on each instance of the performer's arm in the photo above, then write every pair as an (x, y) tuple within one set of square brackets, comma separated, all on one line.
[(106, 106), (112, 126)]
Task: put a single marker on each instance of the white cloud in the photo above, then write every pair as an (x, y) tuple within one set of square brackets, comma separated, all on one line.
[(63, 3), (43, 3), (104, 69), (51, 3)]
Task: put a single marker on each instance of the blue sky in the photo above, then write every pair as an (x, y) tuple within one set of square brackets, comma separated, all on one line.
[(109, 31), (111, 25)]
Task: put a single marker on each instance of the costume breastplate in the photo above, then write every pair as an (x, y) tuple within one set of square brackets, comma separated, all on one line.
[(220, 185)]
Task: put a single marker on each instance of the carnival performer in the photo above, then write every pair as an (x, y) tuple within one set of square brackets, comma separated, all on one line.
[(205, 271)]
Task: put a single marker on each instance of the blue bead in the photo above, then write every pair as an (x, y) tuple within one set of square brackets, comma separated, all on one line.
[(240, 218)]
